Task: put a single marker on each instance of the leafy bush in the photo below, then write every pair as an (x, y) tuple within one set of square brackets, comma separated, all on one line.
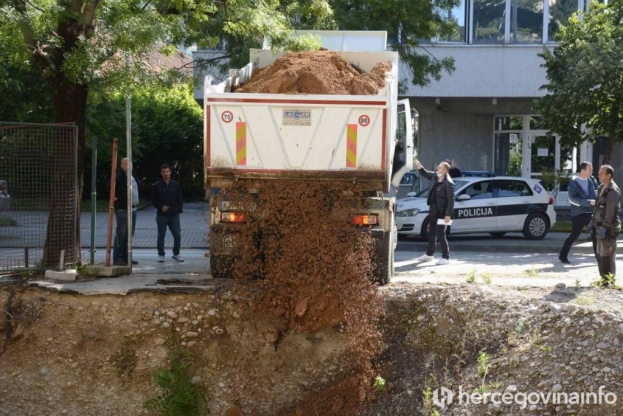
[(180, 397)]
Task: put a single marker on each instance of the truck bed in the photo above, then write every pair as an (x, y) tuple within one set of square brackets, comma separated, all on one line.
[(337, 137)]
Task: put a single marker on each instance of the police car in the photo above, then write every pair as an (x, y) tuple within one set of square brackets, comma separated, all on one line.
[(485, 205)]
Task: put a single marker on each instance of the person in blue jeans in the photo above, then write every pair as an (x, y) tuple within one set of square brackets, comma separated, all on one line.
[(120, 248), (582, 198), (166, 197)]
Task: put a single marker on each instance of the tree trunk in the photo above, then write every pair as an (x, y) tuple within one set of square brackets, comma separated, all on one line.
[(64, 217)]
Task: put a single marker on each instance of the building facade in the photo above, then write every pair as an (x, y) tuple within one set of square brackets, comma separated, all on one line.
[(481, 116)]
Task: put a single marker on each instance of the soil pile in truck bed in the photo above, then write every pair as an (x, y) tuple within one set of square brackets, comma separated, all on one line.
[(321, 72)]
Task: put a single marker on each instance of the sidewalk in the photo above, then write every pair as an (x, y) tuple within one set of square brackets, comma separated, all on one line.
[(510, 243), (513, 270), (194, 224)]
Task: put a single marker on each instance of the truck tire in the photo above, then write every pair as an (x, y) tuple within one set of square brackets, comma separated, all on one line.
[(220, 267), (536, 226), (384, 267)]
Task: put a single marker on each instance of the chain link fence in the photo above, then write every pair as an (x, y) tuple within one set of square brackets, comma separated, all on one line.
[(38, 196)]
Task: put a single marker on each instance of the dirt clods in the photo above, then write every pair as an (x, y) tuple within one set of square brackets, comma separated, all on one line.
[(313, 273)]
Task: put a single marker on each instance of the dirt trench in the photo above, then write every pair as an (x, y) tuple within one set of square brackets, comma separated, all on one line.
[(96, 355)]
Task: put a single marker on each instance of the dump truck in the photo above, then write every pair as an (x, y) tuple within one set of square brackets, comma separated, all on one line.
[(367, 139)]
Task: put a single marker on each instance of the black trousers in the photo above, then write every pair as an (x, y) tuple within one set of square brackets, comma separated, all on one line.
[(437, 232), (606, 255), (577, 224)]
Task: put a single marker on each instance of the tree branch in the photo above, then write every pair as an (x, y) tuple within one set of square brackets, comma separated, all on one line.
[(33, 6)]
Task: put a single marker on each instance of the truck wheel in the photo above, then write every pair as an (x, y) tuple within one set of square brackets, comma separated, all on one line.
[(536, 226), (384, 267), (220, 267)]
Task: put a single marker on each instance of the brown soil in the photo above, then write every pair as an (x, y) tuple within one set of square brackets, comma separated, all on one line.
[(321, 72), (95, 355), (314, 273)]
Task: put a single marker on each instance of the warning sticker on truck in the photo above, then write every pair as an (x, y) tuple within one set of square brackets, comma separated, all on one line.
[(297, 117)]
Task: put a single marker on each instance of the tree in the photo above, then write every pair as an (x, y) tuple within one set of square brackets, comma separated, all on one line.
[(71, 44), (406, 23), (167, 127), (585, 78)]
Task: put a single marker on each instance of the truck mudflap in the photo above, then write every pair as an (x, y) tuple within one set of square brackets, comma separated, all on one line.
[(384, 256)]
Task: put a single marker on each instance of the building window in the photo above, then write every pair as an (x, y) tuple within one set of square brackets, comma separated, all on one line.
[(509, 21), (457, 14), (559, 13), (526, 21), (489, 21), (507, 153)]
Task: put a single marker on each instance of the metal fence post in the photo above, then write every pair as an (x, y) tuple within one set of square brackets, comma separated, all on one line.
[(93, 196), (111, 199)]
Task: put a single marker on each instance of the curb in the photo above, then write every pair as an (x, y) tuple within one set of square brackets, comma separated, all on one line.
[(548, 249)]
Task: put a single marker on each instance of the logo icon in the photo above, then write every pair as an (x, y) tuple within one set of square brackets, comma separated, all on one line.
[(442, 397), (538, 189), (297, 117)]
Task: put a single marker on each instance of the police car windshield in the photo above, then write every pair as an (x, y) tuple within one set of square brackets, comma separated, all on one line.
[(457, 185)]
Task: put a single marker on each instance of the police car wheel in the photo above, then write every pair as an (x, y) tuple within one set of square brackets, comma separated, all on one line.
[(535, 227)]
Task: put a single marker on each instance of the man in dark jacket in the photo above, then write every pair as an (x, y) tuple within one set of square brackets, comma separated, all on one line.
[(606, 223), (582, 200), (166, 196), (120, 248), (441, 203)]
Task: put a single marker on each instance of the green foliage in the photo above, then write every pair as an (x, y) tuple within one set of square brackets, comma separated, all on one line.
[(554, 180), (471, 277), (405, 22), (606, 282), (486, 277), (167, 127), (585, 78), (180, 397), (380, 384), (483, 364)]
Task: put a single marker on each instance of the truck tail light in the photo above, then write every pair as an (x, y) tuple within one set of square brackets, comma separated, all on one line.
[(551, 200), (366, 219), (233, 217)]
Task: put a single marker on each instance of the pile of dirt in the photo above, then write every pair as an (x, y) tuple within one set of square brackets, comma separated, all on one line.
[(533, 351), (321, 72)]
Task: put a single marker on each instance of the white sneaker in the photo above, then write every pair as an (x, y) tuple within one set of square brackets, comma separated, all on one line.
[(160, 259), (425, 257), (178, 258), (441, 262)]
